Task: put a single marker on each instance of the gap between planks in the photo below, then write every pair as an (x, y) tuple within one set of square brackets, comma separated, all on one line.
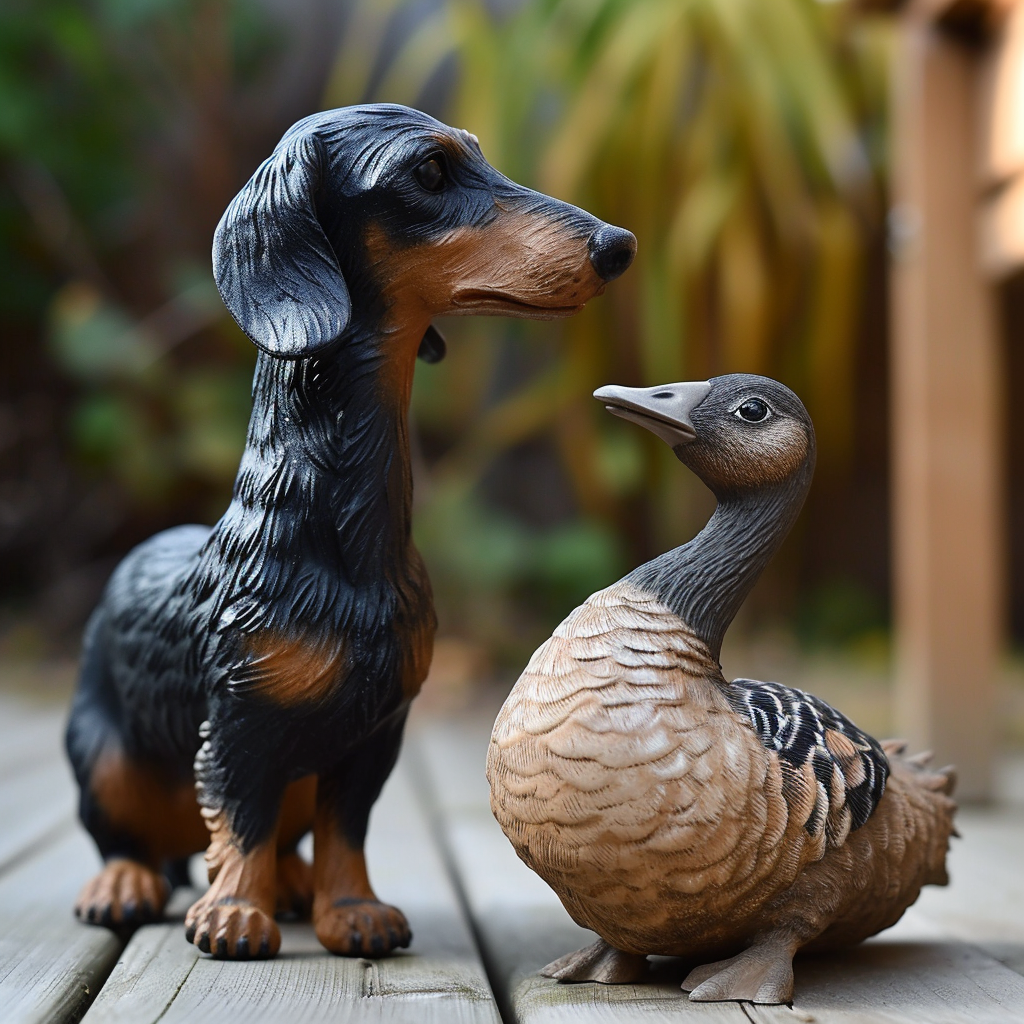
[(50, 965)]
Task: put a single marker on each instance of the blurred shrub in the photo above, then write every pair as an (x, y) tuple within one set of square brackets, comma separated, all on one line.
[(741, 140), (743, 143), (841, 613), (125, 128)]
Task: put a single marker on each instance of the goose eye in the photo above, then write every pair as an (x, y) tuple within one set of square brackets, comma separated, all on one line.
[(430, 174), (753, 410)]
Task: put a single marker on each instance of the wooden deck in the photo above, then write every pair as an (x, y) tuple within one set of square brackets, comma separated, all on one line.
[(482, 923)]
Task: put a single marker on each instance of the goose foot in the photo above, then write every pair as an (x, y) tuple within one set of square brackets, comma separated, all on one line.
[(598, 962), (761, 974)]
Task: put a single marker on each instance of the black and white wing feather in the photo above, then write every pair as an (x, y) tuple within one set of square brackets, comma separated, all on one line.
[(823, 755)]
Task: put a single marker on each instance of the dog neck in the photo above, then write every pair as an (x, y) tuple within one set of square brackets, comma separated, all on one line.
[(326, 475)]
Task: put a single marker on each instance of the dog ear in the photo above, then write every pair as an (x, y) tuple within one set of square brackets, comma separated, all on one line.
[(433, 348), (274, 267)]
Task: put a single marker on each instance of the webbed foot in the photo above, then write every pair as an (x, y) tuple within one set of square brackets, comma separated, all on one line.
[(598, 962), (761, 974)]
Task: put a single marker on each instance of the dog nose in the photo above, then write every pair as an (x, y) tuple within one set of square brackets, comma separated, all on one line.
[(611, 251)]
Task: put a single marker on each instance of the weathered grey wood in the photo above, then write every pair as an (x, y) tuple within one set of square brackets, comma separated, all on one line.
[(440, 978), (36, 792), (34, 805), (985, 903), (28, 739), (50, 965), (911, 974), (147, 976)]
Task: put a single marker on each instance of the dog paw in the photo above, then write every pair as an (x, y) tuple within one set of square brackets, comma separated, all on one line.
[(294, 886), (231, 929), (359, 927), (125, 894)]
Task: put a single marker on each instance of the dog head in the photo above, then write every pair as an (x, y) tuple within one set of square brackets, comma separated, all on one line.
[(380, 215)]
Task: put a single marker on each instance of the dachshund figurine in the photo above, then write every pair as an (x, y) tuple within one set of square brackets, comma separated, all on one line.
[(244, 684), (730, 823)]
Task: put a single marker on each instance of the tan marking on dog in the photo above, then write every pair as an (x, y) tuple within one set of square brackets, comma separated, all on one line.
[(298, 807), (518, 265), (339, 869), (290, 670), (243, 893), (347, 916), (120, 890), (297, 810), (242, 897), (294, 885), (138, 799)]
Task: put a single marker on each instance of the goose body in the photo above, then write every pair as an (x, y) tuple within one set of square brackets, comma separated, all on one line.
[(674, 812)]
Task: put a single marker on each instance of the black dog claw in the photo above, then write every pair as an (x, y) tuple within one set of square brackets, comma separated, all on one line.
[(287, 640)]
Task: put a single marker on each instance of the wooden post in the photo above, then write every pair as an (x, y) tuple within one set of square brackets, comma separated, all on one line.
[(947, 530)]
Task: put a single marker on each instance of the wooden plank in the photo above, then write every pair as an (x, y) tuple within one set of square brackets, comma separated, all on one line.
[(912, 973), (50, 965), (28, 740), (948, 543), (34, 806), (37, 797), (985, 903), (440, 979)]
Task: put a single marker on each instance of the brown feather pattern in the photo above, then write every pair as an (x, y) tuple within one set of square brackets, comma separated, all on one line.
[(625, 777)]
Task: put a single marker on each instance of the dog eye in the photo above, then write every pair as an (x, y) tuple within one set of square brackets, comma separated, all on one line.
[(430, 174), (753, 410)]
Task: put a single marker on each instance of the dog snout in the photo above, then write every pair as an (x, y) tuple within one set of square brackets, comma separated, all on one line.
[(611, 251)]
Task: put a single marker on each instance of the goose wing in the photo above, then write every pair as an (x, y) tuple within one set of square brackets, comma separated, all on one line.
[(819, 750)]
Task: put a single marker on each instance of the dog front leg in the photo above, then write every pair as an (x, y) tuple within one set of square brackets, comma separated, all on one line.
[(234, 919), (348, 917)]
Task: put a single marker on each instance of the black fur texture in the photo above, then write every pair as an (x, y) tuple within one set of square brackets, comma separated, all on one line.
[(314, 551)]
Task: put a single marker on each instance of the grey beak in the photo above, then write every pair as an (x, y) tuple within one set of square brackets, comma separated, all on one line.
[(664, 410)]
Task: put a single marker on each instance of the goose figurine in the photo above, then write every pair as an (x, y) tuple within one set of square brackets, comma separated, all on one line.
[(674, 812)]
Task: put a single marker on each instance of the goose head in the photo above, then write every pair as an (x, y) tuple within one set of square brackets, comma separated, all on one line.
[(739, 433)]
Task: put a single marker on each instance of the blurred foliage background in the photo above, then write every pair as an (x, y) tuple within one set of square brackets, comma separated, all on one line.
[(743, 142)]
